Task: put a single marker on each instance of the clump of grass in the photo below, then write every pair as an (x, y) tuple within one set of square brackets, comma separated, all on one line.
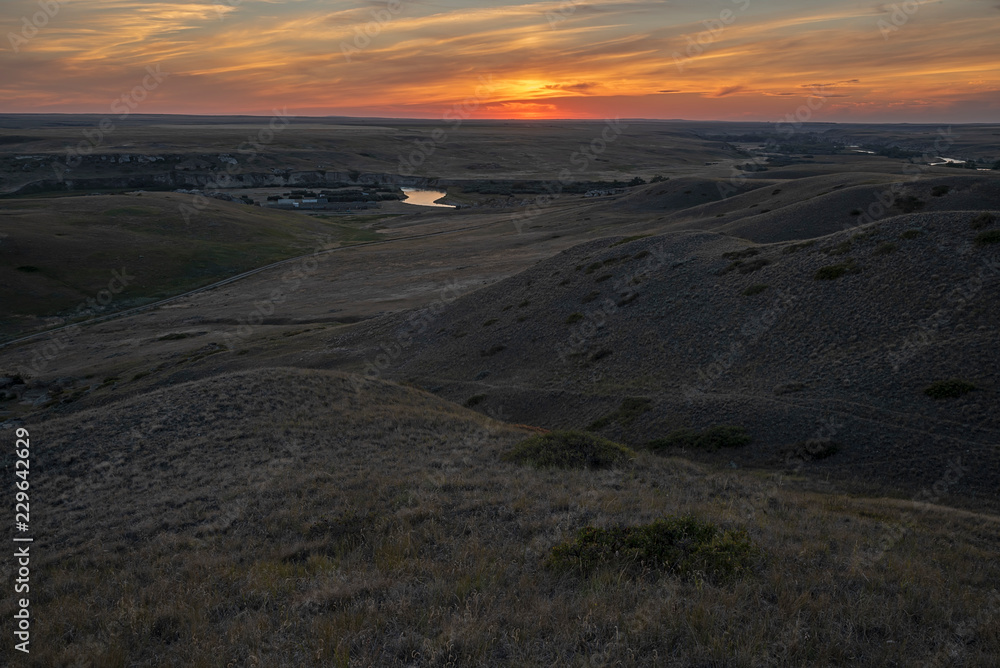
[(855, 212), (713, 438), (627, 299), (140, 375), (474, 400), (909, 204), (491, 321), (526, 302), (885, 248), (755, 289), (949, 389), (940, 191), (565, 281), (573, 318), (569, 449), (811, 449), (591, 268), (626, 240), (680, 546), (630, 409), (602, 278), (641, 254), (600, 354), (988, 237), (842, 248), (833, 271), (982, 220), (493, 350), (741, 254), (591, 297), (794, 248), (174, 336), (911, 234), (746, 267)]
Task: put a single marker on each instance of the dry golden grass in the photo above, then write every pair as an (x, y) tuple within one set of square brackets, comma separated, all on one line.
[(289, 518)]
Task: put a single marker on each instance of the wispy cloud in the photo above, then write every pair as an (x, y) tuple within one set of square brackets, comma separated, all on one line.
[(605, 58)]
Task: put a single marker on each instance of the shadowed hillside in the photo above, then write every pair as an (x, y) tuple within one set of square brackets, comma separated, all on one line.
[(837, 338), (58, 254)]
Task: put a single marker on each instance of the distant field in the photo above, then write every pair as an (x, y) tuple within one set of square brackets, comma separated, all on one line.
[(58, 252)]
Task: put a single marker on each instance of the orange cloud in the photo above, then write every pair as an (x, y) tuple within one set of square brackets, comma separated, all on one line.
[(617, 57)]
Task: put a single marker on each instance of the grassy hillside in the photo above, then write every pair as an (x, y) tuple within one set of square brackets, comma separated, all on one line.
[(58, 252), (837, 337), (301, 518)]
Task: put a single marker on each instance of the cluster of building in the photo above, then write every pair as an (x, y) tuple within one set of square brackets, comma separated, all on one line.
[(318, 203)]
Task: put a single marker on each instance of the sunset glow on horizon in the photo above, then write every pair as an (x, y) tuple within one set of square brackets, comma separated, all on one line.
[(927, 61)]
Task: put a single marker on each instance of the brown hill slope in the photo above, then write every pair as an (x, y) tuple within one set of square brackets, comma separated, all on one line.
[(66, 256), (834, 338), (298, 518), (766, 210)]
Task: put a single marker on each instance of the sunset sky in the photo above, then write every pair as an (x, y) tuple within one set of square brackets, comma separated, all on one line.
[(928, 61)]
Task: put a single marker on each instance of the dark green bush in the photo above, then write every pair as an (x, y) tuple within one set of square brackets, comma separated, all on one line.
[(569, 449), (984, 219), (813, 448), (885, 248), (988, 237), (949, 389), (474, 400), (574, 317), (911, 234), (755, 289), (833, 271), (794, 248), (627, 412), (909, 204), (940, 191), (842, 248), (741, 254), (713, 438), (681, 546)]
